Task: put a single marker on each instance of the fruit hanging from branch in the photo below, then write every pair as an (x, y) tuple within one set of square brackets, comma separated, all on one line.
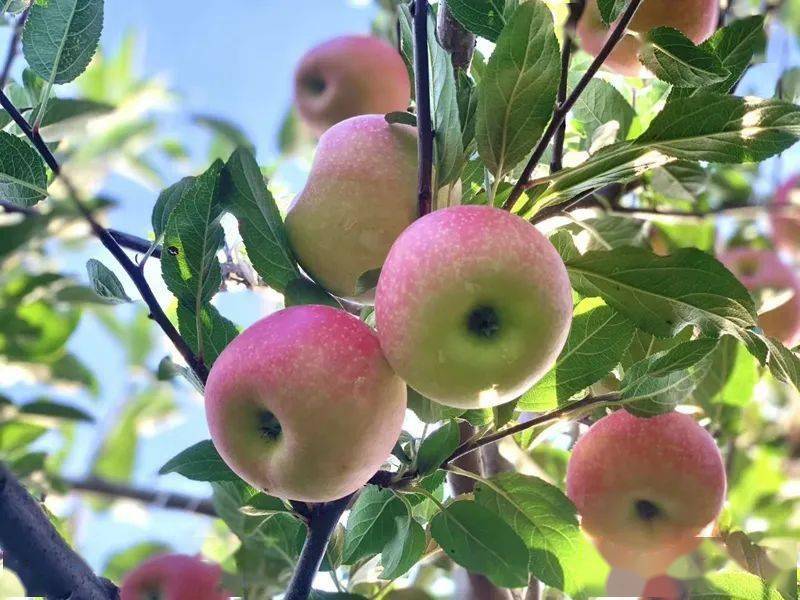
[(174, 577), (303, 405), (473, 306)]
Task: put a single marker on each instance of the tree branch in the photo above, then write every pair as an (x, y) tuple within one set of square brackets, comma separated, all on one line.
[(13, 48), (422, 81), (562, 110), (133, 271), (33, 548), (101, 487), (322, 522), (576, 8), (454, 38)]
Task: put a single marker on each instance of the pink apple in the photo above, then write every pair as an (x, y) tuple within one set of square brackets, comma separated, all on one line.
[(473, 306), (763, 269), (349, 76), (695, 18), (303, 405), (785, 218), (174, 577), (645, 488)]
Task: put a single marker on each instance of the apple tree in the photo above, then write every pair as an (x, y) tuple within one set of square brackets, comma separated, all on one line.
[(535, 309)]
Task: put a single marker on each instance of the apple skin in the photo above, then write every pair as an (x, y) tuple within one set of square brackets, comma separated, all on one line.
[(320, 373), (349, 76), (360, 195), (758, 269), (174, 577), (664, 587), (645, 488), (785, 218), (697, 19), (473, 306)]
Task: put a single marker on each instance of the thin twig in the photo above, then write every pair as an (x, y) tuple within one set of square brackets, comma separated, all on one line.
[(136, 276), (562, 110), (422, 82), (33, 548), (109, 489), (576, 8), (13, 48)]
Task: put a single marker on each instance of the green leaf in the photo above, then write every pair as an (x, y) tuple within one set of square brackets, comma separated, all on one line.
[(736, 45), (597, 341), (730, 376), (304, 291), (48, 408), (105, 283), (659, 383), (482, 17), (435, 448), (517, 94), (121, 563), (448, 144), (16, 235), (227, 130), (23, 180), (610, 10), (481, 542), (371, 524), (673, 57), (18, 434), (200, 462), (192, 238), (732, 585), (166, 202), (404, 550), (601, 103), (246, 195), (680, 180), (429, 411), (216, 331), (788, 88), (70, 116), (663, 295), (702, 127), (547, 523), (61, 37)]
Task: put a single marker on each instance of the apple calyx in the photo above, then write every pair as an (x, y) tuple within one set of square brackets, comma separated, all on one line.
[(484, 322), (269, 426), (647, 510)]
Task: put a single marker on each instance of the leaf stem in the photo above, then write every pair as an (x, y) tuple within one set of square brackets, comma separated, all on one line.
[(422, 81), (110, 243), (562, 110)]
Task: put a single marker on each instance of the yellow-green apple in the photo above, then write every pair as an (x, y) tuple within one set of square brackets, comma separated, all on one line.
[(473, 306), (174, 577), (785, 217), (645, 488), (349, 76), (697, 19), (761, 270), (303, 405), (360, 195)]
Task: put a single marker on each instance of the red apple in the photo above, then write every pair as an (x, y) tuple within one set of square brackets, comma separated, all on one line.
[(646, 487), (473, 306), (695, 18), (664, 587), (349, 76), (303, 404), (763, 269), (174, 577)]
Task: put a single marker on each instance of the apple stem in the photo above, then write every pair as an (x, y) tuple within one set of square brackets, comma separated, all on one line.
[(157, 314), (576, 8), (562, 109), (422, 81), (322, 522), (35, 551)]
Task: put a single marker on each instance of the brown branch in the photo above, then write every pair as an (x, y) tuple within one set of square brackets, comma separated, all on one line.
[(110, 243), (109, 489), (422, 83), (32, 547), (562, 110)]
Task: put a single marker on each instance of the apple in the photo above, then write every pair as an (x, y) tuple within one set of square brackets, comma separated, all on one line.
[(763, 269), (473, 306), (348, 76), (174, 577), (785, 218), (697, 19), (645, 488), (360, 195), (664, 587), (303, 405)]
